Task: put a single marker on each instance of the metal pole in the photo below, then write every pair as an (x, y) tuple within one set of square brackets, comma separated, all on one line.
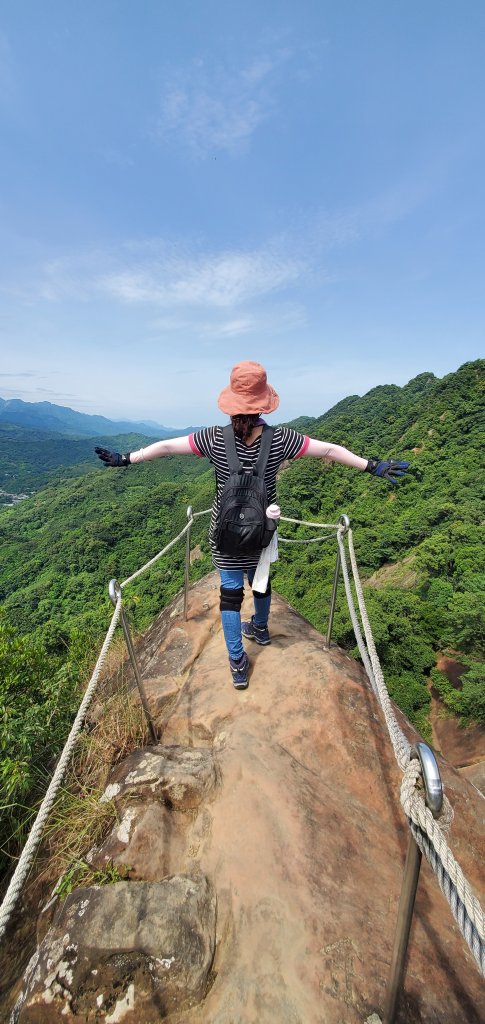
[(115, 593), (434, 799), (187, 562), (345, 522)]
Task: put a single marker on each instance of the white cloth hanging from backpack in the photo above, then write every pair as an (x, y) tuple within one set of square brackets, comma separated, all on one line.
[(267, 556)]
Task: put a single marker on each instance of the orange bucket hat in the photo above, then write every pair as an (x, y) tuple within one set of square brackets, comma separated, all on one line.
[(248, 391)]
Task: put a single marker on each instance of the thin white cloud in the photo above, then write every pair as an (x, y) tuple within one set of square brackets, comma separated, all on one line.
[(32, 394), (377, 214), (233, 328), (228, 287), (213, 110), (22, 374), (226, 280), (260, 322), (171, 277)]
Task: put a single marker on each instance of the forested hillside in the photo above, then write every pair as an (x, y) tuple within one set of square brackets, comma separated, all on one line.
[(420, 546), (420, 549), (31, 458)]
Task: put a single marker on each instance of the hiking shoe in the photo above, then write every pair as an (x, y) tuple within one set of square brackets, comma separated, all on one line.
[(258, 633), (240, 672)]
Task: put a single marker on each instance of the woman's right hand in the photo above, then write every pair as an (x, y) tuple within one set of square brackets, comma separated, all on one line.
[(111, 458)]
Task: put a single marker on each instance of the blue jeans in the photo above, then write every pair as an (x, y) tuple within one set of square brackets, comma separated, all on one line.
[(231, 621)]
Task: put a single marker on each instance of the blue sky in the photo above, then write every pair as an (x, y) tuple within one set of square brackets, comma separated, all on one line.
[(186, 185)]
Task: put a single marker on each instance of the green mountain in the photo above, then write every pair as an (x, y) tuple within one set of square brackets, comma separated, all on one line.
[(419, 546), (32, 458)]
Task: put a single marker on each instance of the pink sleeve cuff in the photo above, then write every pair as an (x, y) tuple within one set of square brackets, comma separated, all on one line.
[(194, 447), (303, 448)]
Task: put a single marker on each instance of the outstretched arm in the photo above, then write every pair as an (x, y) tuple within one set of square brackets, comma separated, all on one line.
[(171, 446), (158, 450), (334, 453), (389, 469)]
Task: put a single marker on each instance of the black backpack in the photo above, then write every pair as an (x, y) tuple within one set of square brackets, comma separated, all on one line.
[(242, 526)]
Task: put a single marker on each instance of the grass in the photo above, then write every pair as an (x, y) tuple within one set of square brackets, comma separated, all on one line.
[(78, 820), (80, 873)]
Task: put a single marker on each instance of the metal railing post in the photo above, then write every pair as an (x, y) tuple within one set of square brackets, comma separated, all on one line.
[(115, 593), (344, 521), (187, 562), (434, 799)]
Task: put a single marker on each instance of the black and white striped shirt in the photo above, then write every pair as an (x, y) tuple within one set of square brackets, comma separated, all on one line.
[(209, 442)]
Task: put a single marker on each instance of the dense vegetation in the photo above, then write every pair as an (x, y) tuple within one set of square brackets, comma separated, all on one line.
[(430, 530), (31, 458), (420, 548)]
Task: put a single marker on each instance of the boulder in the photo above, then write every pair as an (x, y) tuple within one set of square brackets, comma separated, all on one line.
[(130, 952)]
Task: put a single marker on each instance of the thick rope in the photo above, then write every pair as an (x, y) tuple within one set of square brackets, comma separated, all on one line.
[(455, 886), (312, 540), (303, 522), (400, 743), (155, 558), (464, 905), (353, 614), (451, 893), (284, 519), (28, 852)]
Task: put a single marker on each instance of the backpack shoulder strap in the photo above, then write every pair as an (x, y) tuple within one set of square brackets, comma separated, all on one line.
[(266, 440), (232, 456), (230, 446)]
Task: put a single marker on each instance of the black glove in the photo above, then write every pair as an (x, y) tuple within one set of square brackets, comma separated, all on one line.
[(389, 470), (111, 458)]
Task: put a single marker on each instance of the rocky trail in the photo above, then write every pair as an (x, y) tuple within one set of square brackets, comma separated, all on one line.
[(265, 842)]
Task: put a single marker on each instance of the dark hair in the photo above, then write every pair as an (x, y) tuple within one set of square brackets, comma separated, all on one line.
[(244, 425)]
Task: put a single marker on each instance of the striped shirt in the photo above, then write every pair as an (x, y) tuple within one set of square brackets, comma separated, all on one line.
[(209, 443)]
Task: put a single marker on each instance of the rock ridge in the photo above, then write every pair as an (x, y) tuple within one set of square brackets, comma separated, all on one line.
[(265, 843)]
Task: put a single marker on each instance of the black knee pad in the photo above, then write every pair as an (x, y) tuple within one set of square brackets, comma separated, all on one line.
[(231, 600), (257, 593)]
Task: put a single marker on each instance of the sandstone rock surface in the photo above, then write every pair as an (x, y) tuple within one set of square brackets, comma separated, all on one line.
[(128, 952), (180, 776), (298, 828)]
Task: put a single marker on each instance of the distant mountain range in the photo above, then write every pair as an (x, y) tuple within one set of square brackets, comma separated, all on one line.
[(62, 420)]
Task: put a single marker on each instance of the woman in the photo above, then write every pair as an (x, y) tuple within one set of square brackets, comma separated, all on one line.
[(247, 396)]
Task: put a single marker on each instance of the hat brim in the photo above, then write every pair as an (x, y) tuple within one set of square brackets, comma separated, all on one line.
[(238, 405)]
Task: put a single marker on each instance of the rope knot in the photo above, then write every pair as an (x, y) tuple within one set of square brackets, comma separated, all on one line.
[(414, 804)]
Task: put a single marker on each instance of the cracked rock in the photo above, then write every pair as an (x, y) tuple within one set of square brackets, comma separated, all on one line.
[(180, 776)]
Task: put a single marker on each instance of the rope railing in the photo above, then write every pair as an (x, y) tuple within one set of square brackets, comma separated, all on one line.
[(429, 835), (427, 832), (27, 856), (305, 522), (304, 540), (155, 558), (368, 653)]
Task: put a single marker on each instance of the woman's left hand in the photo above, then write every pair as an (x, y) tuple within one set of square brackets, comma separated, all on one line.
[(389, 469)]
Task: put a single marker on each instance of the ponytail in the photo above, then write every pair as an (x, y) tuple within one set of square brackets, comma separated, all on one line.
[(244, 425)]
